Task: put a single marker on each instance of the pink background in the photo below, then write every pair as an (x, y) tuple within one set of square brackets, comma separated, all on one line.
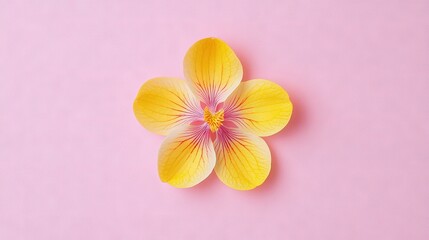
[(352, 164)]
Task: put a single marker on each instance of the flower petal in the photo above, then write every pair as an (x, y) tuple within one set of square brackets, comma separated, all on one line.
[(243, 159), (213, 70), (186, 156), (164, 103), (259, 106)]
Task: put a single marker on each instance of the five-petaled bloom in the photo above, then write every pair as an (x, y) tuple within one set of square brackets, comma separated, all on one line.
[(213, 120)]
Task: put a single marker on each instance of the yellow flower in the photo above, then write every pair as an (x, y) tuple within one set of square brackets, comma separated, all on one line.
[(212, 120)]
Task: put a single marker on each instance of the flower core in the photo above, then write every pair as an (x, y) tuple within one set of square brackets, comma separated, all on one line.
[(213, 120)]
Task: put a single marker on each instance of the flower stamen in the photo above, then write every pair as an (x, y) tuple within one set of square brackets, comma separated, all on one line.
[(213, 120)]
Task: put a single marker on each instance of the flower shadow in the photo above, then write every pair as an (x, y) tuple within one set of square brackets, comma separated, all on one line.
[(244, 57)]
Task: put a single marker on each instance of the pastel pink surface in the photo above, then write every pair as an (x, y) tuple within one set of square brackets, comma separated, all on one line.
[(352, 164)]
